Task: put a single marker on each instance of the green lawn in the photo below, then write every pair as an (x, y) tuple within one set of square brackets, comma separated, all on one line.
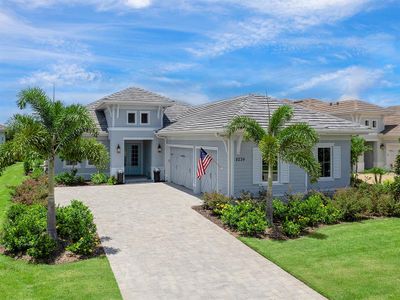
[(346, 261), (88, 279)]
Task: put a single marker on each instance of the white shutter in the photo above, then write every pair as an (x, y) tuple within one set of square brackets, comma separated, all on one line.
[(257, 166), (284, 172), (337, 162)]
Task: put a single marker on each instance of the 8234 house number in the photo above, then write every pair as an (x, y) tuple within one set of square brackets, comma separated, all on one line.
[(240, 159)]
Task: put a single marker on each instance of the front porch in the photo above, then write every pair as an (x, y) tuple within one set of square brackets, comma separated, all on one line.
[(137, 160)]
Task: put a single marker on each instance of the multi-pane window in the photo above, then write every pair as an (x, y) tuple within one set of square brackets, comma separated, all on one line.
[(132, 118), (144, 118), (366, 122), (274, 171), (324, 159), (135, 156), (373, 124)]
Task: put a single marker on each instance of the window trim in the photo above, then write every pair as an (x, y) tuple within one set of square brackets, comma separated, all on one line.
[(127, 117), (367, 121), (277, 172), (89, 166), (326, 145), (65, 166), (372, 123), (148, 117)]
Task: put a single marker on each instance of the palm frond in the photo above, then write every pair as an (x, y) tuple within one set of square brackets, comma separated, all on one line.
[(41, 104), (305, 159), (297, 136), (86, 148), (269, 148), (280, 116), (251, 129)]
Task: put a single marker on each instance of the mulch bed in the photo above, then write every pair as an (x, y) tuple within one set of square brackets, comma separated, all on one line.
[(60, 256)]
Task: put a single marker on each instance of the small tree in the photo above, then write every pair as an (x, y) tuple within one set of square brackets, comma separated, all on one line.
[(358, 148), (52, 130), (292, 143)]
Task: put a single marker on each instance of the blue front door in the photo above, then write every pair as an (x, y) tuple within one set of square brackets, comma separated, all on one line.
[(133, 159)]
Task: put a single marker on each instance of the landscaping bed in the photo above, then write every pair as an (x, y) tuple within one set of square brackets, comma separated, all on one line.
[(64, 274)]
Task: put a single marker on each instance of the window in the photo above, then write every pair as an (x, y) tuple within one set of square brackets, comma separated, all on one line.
[(274, 171), (71, 164), (144, 118), (324, 159), (374, 124), (90, 164), (135, 156), (131, 118), (366, 122)]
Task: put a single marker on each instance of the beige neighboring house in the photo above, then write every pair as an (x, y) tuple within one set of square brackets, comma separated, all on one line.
[(2, 134), (383, 122)]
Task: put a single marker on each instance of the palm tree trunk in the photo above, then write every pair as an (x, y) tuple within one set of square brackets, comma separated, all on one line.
[(268, 207), (51, 209)]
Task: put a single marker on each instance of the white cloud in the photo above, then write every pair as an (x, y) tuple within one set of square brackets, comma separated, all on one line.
[(350, 82), (98, 4), (61, 74), (274, 18)]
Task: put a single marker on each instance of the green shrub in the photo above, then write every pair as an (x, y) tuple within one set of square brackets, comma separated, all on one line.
[(352, 204), (24, 231), (280, 210), (31, 191), (69, 178), (247, 217), (99, 178), (395, 187), (112, 180), (291, 228), (215, 202), (396, 168), (332, 214), (37, 173), (75, 225)]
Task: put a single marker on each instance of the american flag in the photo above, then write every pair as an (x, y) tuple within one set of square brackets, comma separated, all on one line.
[(204, 160)]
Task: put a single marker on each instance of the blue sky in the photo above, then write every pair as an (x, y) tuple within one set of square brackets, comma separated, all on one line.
[(203, 50)]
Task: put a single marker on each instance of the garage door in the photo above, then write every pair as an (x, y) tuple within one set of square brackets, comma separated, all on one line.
[(181, 162), (391, 153), (209, 182)]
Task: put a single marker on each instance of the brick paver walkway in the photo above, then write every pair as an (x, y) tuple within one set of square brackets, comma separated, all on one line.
[(159, 248)]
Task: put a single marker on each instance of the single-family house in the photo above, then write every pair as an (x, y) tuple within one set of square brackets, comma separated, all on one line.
[(383, 122), (145, 131)]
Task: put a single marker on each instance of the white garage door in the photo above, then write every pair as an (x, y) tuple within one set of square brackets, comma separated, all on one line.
[(209, 182), (181, 162), (391, 153)]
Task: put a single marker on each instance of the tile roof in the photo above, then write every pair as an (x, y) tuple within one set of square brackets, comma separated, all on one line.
[(216, 116), (341, 107), (174, 112), (136, 95)]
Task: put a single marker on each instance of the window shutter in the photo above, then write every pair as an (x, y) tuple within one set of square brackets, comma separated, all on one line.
[(337, 162), (284, 172), (257, 166)]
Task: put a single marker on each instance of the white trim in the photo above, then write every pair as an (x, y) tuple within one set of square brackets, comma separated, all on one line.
[(179, 146), (326, 145), (127, 117), (89, 166), (133, 129), (137, 139), (376, 123), (194, 162), (148, 117), (65, 166)]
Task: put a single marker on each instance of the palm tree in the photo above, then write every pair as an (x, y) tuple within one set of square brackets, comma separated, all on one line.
[(358, 147), (291, 143), (52, 130)]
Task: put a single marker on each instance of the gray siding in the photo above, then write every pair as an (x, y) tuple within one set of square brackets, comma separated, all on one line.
[(122, 120), (2, 137), (83, 169), (298, 179)]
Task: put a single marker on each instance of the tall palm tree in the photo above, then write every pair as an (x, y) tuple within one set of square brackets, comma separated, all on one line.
[(292, 143), (52, 130)]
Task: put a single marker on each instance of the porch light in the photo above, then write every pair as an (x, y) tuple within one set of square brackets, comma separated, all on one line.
[(159, 148), (382, 146), (118, 149)]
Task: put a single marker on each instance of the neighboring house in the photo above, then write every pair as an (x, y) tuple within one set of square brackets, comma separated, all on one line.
[(384, 137), (144, 131), (2, 134)]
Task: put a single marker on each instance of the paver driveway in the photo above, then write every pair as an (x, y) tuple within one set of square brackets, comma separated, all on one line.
[(159, 248)]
